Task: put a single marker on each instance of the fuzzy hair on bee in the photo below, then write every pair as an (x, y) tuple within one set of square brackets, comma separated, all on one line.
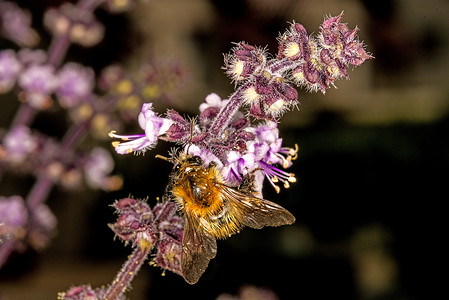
[(214, 210)]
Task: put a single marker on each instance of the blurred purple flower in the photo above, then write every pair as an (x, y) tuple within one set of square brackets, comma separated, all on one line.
[(42, 226), (20, 226), (250, 292), (38, 82), (74, 84), (15, 24), (18, 143), (9, 70), (13, 217), (32, 56), (76, 23), (97, 170)]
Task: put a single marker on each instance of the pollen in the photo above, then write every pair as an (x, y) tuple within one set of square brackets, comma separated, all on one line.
[(267, 75), (298, 76), (293, 152), (313, 47), (291, 50), (278, 189), (278, 105), (238, 69), (111, 133), (292, 178), (145, 244), (251, 95), (115, 144)]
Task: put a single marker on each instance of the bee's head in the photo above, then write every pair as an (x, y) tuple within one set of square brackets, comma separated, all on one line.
[(194, 160), (184, 162)]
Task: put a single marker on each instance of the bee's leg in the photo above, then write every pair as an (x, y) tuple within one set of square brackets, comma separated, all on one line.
[(247, 184)]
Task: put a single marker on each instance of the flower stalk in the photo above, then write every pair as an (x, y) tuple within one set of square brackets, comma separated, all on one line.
[(129, 270)]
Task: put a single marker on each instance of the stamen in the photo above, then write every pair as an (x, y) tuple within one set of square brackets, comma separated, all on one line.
[(286, 162), (112, 133), (278, 189), (124, 137), (294, 152), (275, 175), (292, 178)]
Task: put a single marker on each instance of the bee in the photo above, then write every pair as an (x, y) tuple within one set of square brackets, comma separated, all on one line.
[(214, 210)]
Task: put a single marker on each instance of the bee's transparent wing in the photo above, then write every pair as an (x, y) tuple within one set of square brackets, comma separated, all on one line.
[(255, 212), (198, 248)]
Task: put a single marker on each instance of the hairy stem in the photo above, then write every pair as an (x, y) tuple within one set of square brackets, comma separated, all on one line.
[(124, 278), (226, 114)]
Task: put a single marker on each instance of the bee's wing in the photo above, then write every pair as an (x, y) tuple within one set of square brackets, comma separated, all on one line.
[(198, 247), (255, 212)]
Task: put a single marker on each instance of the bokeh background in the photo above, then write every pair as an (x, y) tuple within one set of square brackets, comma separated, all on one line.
[(372, 169)]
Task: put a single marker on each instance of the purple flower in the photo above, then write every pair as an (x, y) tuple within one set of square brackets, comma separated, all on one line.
[(245, 61), (212, 101), (38, 82), (76, 23), (268, 151), (74, 84), (264, 86), (135, 222), (153, 125), (145, 227), (206, 156), (318, 61), (19, 143), (237, 165), (248, 292), (15, 24), (97, 169), (209, 109), (9, 70), (13, 216), (42, 226), (32, 56)]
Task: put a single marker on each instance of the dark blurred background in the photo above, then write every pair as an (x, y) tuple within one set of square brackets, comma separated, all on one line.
[(372, 169)]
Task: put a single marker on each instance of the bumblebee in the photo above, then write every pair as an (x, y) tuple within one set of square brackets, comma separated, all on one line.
[(214, 210)]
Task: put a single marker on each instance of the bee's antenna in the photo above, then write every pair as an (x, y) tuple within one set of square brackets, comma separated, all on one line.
[(163, 157), (192, 127)]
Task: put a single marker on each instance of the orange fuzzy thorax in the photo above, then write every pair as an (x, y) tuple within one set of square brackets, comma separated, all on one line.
[(198, 192)]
